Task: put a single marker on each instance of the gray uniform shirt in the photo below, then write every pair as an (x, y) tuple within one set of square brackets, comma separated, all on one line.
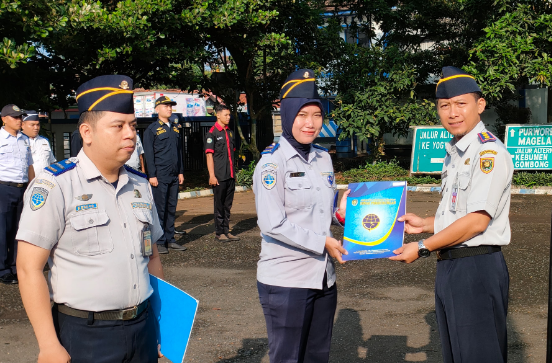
[(294, 201), (477, 176), (94, 232)]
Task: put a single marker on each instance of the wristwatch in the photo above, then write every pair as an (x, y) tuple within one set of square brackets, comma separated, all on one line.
[(422, 250)]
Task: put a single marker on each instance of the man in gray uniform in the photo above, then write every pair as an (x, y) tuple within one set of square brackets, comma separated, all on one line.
[(471, 225), (94, 221)]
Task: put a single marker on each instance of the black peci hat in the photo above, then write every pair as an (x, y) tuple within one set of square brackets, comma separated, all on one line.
[(31, 115), (107, 93), (300, 84), (455, 82)]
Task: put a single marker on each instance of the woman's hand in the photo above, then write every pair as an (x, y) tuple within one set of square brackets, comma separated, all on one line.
[(343, 204), (335, 249)]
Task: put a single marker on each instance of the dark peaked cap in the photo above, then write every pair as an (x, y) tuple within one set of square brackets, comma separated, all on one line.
[(300, 84), (455, 82), (107, 93)]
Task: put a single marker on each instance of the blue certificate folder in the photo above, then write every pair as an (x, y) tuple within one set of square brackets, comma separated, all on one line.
[(371, 227), (175, 312)]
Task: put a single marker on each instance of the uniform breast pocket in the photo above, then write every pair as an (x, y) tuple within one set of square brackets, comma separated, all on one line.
[(6, 154), (143, 215), (464, 179), (91, 235), (298, 193), (163, 137)]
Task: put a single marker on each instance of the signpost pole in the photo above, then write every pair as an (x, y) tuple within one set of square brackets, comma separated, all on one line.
[(549, 328)]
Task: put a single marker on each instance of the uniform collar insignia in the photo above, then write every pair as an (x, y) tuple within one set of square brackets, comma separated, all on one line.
[(84, 197)]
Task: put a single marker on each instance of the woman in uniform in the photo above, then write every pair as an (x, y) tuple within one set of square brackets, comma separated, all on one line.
[(295, 197)]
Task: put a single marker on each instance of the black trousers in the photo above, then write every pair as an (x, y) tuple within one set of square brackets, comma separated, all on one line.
[(108, 341), (471, 302), (165, 195), (11, 206), (299, 322), (224, 197)]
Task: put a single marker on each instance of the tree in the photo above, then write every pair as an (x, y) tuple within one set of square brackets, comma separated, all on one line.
[(514, 52)]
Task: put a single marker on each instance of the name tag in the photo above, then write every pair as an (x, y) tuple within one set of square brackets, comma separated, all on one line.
[(147, 249), (297, 175), (454, 195)]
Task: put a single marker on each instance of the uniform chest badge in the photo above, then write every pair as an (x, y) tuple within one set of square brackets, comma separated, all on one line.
[(268, 178), (467, 162), (38, 198), (486, 164), (137, 194), (84, 197), (329, 177)]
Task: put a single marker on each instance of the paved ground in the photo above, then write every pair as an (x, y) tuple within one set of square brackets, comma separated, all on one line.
[(385, 311)]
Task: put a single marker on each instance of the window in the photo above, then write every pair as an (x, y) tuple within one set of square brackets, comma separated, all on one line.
[(66, 145)]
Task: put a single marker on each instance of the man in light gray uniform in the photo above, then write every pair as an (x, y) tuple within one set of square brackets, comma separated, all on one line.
[(470, 226), (94, 220)]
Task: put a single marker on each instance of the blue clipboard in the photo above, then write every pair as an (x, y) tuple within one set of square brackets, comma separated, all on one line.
[(371, 226), (175, 312)]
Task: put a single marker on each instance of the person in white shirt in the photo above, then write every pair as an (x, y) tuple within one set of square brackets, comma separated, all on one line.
[(136, 161), (40, 146)]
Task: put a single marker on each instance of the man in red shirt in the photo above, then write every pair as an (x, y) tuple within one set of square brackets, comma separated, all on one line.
[(219, 149)]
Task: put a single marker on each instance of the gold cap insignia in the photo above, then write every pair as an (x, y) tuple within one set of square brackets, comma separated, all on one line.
[(15, 108), (124, 85), (306, 75)]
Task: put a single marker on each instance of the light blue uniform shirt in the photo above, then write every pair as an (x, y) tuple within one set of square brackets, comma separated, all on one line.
[(294, 200), (15, 157)]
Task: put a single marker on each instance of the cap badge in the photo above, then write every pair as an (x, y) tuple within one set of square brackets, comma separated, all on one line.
[(124, 85), (15, 108), (84, 197), (306, 75)]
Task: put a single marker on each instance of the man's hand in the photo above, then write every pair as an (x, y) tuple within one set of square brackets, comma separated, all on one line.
[(180, 179), (53, 354), (407, 253), (213, 180), (153, 181), (343, 204), (335, 249), (413, 225)]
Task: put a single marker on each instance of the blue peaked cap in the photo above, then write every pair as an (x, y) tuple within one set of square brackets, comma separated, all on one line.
[(107, 93), (300, 84), (455, 82)]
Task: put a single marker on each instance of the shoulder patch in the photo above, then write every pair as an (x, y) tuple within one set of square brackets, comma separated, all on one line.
[(486, 136), (270, 149), (319, 147), (62, 166), (136, 172)]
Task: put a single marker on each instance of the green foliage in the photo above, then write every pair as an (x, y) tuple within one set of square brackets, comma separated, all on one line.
[(387, 105), (515, 51), (244, 177), (532, 179), (378, 171)]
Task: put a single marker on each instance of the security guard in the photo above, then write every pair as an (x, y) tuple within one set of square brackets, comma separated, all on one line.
[(15, 172), (94, 221), (295, 190), (471, 225), (40, 146), (163, 150), (219, 151)]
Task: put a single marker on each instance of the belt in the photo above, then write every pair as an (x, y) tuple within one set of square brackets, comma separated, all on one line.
[(124, 314), (17, 185), (451, 253)]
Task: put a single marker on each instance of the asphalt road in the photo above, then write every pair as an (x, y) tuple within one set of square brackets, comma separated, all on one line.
[(385, 310)]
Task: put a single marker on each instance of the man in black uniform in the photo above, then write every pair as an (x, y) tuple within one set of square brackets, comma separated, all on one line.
[(219, 149), (163, 151)]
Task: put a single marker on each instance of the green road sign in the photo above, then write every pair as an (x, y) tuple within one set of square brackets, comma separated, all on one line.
[(428, 149), (530, 146)]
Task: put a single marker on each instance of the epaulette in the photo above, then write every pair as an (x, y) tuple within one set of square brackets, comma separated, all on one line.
[(270, 149), (136, 172), (62, 166), (486, 136), (319, 147)]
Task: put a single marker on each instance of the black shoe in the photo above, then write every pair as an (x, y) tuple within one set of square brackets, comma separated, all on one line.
[(162, 249), (179, 232), (9, 279), (176, 246)]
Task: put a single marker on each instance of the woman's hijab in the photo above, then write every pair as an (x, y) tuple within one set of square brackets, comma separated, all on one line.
[(289, 108)]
